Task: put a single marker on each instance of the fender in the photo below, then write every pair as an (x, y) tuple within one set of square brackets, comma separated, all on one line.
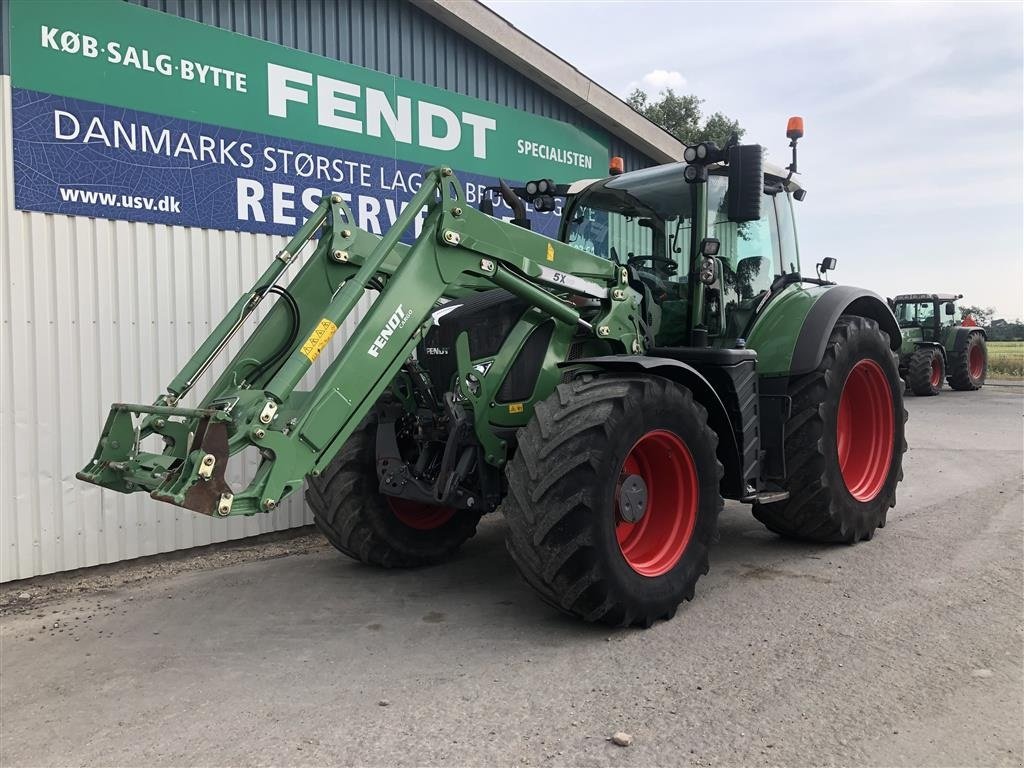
[(963, 333), (703, 393), (918, 344), (791, 334)]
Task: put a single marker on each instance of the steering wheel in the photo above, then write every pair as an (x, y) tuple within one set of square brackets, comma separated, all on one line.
[(671, 266)]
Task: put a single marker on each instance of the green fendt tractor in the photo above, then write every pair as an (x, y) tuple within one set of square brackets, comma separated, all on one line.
[(936, 347), (604, 390)]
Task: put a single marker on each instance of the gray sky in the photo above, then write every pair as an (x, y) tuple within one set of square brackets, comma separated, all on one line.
[(914, 147)]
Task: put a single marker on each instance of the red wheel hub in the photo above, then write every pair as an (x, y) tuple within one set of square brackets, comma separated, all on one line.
[(415, 514), (976, 361), (865, 431), (936, 371), (653, 544)]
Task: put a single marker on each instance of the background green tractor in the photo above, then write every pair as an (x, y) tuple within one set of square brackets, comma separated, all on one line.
[(605, 390), (936, 346)]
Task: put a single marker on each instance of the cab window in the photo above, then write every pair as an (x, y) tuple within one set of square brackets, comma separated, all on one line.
[(611, 236), (749, 250), (915, 314), (642, 219), (788, 252)]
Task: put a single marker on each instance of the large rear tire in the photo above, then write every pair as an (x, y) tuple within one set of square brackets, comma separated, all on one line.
[(926, 370), (969, 366), (597, 451), (377, 529), (844, 440)]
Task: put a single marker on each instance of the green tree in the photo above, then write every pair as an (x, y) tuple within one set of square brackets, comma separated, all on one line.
[(681, 116), (981, 316)]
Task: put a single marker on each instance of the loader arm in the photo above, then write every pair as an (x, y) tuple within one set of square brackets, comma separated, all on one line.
[(255, 402)]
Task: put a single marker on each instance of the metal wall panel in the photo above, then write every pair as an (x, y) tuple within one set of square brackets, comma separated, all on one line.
[(96, 311)]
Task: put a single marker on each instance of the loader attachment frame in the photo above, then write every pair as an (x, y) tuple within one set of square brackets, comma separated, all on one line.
[(255, 401)]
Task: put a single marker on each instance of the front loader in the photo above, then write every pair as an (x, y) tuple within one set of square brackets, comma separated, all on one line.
[(605, 390)]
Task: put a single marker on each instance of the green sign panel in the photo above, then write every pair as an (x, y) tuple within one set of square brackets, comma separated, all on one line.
[(114, 53)]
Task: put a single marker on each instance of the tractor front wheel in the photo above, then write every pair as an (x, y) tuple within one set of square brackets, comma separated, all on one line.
[(381, 530), (613, 498), (844, 440), (967, 368), (926, 370)]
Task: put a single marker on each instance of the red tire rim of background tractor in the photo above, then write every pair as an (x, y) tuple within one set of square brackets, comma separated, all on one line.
[(976, 362), (653, 545), (936, 371), (864, 430)]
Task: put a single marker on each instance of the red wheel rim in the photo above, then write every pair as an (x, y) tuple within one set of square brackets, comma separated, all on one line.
[(976, 361), (936, 371), (415, 514), (865, 430), (653, 545)]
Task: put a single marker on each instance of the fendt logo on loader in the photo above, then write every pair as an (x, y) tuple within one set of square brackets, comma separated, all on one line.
[(398, 319)]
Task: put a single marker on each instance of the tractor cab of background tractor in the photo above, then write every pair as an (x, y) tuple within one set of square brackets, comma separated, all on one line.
[(929, 312)]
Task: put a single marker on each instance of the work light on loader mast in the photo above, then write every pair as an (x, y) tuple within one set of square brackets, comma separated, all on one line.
[(605, 389)]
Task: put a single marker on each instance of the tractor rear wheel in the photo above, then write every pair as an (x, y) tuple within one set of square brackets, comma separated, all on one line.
[(926, 370), (613, 498), (381, 530), (844, 440), (968, 367)]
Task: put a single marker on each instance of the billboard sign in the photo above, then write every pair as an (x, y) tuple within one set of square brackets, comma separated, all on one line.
[(123, 112)]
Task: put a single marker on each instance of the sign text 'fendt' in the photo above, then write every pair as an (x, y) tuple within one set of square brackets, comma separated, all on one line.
[(339, 104)]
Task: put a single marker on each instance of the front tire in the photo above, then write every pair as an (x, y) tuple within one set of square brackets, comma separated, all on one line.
[(844, 440), (969, 366), (597, 451), (926, 370), (373, 528)]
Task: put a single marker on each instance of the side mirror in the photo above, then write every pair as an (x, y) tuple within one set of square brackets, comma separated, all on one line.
[(710, 246), (950, 309), (746, 182), (825, 265)]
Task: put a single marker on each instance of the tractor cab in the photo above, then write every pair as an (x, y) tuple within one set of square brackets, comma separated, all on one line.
[(644, 220), (925, 314)]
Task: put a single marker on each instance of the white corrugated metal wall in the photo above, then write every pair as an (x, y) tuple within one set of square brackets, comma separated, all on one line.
[(97, 311)]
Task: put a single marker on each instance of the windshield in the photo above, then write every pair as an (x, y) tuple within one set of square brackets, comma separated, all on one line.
[(633, 218), (642, 219), (910, 314)]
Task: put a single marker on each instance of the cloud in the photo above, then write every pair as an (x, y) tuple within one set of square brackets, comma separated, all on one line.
[(657, 80), (1001, 98)]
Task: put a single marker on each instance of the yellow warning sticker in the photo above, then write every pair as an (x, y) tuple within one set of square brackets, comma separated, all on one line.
[(551, 252), (318, 339), (515, 407)]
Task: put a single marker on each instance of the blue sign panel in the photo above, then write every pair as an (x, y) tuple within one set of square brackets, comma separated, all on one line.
[(87, 159)]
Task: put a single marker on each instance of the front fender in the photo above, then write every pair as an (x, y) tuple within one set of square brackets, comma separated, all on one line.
[(703, 392), (791, 333)]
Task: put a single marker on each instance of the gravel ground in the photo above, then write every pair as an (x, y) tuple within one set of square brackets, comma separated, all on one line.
[(906, 650), (30, 595)]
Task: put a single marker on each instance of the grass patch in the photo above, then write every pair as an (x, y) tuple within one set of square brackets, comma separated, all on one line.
[(1006, 359)]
